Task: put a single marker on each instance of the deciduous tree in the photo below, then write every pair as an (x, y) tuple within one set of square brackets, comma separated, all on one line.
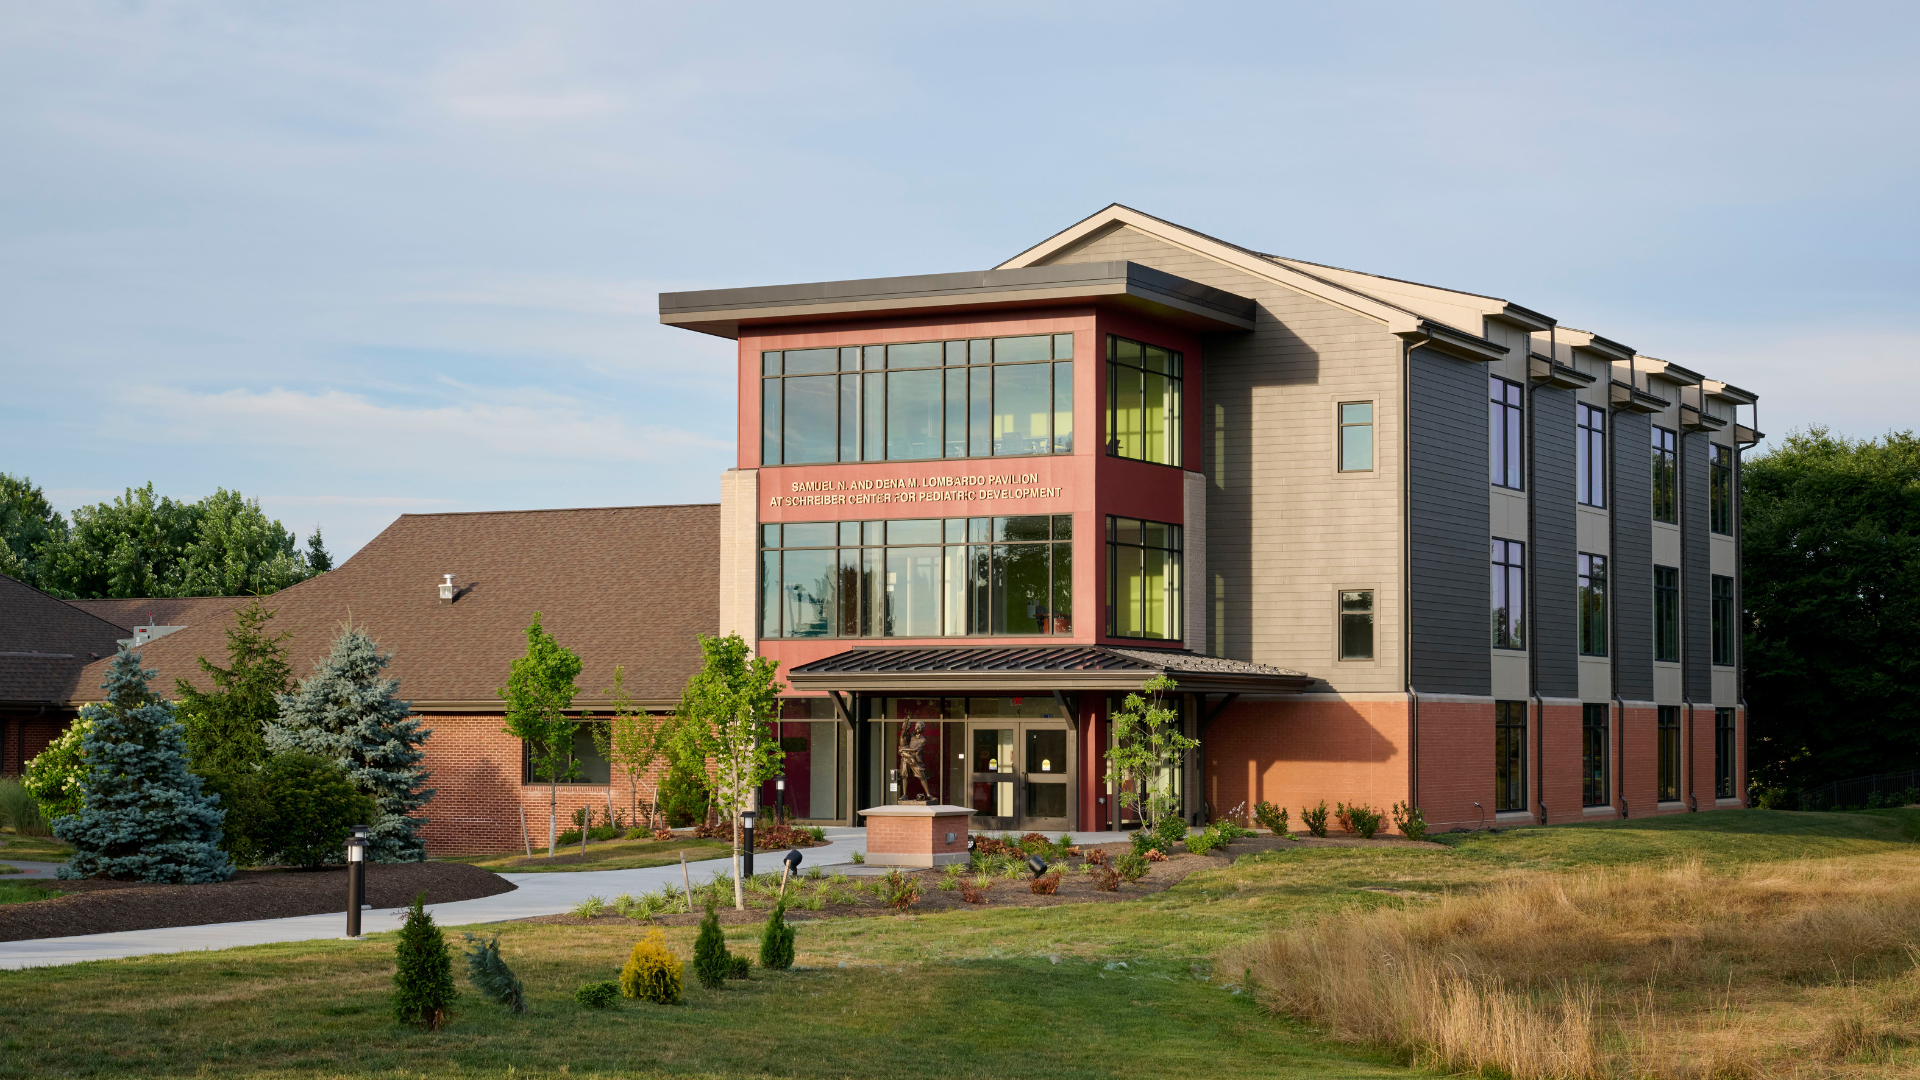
[(1148, 750), (540, 689), (727, 708)]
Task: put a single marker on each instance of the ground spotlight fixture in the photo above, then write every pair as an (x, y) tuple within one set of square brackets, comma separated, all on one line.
[(793, 861), (1036, 864)]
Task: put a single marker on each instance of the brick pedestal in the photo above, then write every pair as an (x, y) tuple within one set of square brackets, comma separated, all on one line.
[(916, 835)]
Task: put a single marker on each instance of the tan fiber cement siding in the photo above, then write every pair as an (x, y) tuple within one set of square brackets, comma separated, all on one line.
[(1284, 528)]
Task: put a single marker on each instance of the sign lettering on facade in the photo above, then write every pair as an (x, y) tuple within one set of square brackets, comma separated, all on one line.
[(890, 490)]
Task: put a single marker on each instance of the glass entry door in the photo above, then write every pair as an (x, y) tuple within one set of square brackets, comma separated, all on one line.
[(1019, 775), (993, 776), (1044, 805)]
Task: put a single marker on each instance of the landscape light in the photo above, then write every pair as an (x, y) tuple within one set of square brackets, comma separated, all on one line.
[(746, 858), (1036, 864), (356, 882)]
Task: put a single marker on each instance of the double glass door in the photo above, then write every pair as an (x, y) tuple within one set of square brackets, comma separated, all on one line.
[(1017, 773)]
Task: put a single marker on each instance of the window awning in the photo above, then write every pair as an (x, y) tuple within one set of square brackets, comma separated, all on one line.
[(1036, 669)]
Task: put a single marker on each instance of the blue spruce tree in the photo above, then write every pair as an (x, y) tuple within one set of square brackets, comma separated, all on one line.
[(143, 815), (346, 712)]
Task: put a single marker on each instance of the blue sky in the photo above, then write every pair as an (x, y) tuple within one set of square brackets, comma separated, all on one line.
[(359, 260)]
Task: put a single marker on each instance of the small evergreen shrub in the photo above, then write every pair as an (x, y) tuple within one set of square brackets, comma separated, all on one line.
[(1315, 819), (710, 961), (312, 809), (652, 972), (423, 991), (598, 995), (1131, 867), (1365, 819), (776, 941), (1410, 821), (1271, 818), (495, 980), (738, 967)]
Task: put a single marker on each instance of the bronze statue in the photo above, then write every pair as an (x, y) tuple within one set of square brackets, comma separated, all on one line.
[(913, 741)]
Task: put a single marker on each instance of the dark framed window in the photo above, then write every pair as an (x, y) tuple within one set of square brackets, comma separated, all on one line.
[(917, 401), (1143, 401), (1720, 488), (1666, 502), (1356, 436), (1509, 755), (1509, 594), (589, 765), (1143, 579), (1595, 774), (1666, 613), (1504, 460), (1723, 621), (1592, 570), (926, 577), (1590, 453), (1667, 753), (1725, 755), (1356, 624)]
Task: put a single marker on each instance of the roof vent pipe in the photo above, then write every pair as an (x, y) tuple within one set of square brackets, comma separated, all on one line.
[(446, 589)]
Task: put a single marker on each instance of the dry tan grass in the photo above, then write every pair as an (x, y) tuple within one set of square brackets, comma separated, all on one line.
[(1804, 969)]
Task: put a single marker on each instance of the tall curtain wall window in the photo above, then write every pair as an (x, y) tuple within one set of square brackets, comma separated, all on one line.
[(1590, 453), (1143, 401), (918, 401), (1720, 489), (1594, 774), (1143, 579), (1666, 502), (1509, 594), (1666, 613), (930, 577), (1723, 621), (1667, 753), (1356, 436), (1593, 604), (1509, 755), (1356, 624), (1504, 444), (1724, 754)]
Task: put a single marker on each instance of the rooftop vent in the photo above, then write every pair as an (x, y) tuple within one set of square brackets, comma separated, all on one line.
[(446, 589)]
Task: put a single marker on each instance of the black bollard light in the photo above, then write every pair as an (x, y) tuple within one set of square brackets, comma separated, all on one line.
[(1036, 864), (746, 826), (780, 799), (362, 833), (356, 882)]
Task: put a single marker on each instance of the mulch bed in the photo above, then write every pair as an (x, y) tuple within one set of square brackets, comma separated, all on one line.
[(98, 907)]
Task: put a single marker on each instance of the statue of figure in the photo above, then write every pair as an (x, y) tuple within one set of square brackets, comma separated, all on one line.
[(913, 741)]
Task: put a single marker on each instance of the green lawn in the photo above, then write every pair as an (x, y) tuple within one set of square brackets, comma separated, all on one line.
[(609, 855), (14, 892), (978, 993), (34, 848)]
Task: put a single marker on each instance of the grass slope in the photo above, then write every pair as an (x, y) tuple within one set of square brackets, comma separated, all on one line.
[(611, 855)]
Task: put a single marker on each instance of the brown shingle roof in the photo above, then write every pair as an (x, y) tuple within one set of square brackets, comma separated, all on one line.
[(629, 585), (160, 610), (45, 643)]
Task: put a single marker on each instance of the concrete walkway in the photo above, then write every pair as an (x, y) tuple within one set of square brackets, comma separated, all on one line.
[(30, 870), (533, 895)]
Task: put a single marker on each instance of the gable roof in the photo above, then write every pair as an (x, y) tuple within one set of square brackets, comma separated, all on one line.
[(46, 643), (633, 586), (130, 612)]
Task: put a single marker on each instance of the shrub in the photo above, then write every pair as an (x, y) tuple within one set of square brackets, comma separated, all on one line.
[(311, 810), (900, 891), (491, 974), (1365, 819), (1343, 816), (1409, 821), (1201, 843), (710, 960), (1315, 819), (1271, 818), (975, 891), (1098, 857), (1131, 867), (53, 776), (1046, 884), (776, 941), (859, 858), (598, 995), (1147, 840), (589, 908), (20, 811), (423, 991), (1106, 878), (567, 838), (817, 834), (1156, 856), (738, 967), (652, 972)]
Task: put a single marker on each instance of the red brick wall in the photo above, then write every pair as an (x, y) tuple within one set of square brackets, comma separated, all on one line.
[(24, 734), (1295, 753), (891, 834), (1556, 760), (1637, 769), (1456, 763)]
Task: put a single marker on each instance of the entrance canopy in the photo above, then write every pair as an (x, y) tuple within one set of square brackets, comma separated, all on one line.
[(1037, 669)]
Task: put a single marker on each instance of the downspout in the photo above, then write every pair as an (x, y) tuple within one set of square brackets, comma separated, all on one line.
[(1406, 569), (1739, 610), (1686, 651), (1533, 562), (1613, 546)]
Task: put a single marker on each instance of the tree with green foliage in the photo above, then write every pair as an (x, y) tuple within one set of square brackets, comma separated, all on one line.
[(776, 940), (311, 809), (1148, 751), (27, 524), (711, 962), (1831, 573), (318, 560), (629, 739), (727, 711), (55, 776), (540, 689), (141, 544), (491, 975), (423, 990), (144, 816), (350, 713), (226, 726)]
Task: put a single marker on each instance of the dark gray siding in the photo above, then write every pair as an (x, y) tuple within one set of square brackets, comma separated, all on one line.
[(1631, 568), (1449, 571), (1556, 641), (1697, 605)]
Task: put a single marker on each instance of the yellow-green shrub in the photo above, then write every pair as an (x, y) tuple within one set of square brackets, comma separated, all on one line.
[(652, 972)]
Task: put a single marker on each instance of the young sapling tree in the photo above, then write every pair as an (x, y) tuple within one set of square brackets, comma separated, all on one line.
[(727, 707), (540, 689), (1148, 750)]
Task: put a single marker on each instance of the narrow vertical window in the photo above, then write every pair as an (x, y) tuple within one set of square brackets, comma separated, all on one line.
[(770, 426), (1590, 452), (1723, 621), (1356, 624), (1356, 436), (1143, 579), (1666, 504), (1593, 604), (1594, 774), (1720, 488), (1143, 401), (1666, 613), (1509, 755), (1504, 423), (1725, 755), (1509, 594), (1667, 753)]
